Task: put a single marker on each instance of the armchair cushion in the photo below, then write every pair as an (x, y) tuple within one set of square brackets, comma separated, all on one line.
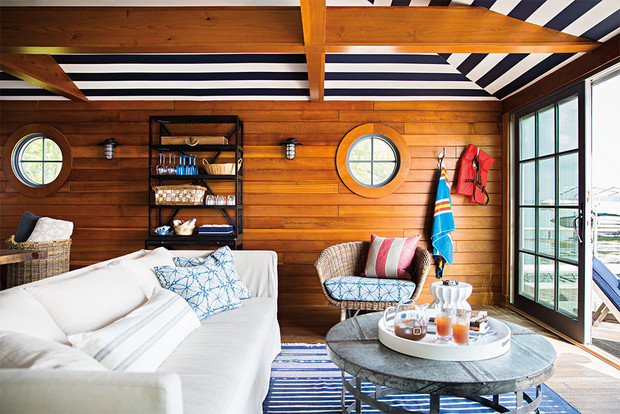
[(369, 289), (390, 257)]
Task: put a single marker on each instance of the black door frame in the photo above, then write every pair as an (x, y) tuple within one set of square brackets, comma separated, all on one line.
[(552, 317)]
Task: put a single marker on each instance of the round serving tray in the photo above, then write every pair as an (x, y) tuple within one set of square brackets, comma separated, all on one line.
[(482, 346)]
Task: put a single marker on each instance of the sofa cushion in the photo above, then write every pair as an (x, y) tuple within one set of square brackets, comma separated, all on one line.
[(142, 340), (205, 287), (224, 257), (89, 301), (233, 376), (149, 259), (369, 289), (390, 257), (21, 312), (25, 226), (18, 350), (49, 229)]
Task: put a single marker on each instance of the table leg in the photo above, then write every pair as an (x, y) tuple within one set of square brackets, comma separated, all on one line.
[(434, 404), (519, 399), (358, 402), (342, 404)]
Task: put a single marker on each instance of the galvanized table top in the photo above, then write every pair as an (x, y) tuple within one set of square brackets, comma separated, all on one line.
[(353, 345)]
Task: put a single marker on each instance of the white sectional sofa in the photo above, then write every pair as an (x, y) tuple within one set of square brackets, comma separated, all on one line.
[(222, 367)]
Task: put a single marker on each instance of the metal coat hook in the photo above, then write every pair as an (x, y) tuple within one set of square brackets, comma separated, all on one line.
[(440, 157)]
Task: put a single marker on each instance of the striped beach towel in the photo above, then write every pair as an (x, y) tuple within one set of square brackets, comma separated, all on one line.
[(443, 224)]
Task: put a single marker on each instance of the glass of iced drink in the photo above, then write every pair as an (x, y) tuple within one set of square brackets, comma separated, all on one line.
[(460, 326), (443, 322)]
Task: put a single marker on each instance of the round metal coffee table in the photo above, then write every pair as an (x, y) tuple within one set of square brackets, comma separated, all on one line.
[(353, 345)]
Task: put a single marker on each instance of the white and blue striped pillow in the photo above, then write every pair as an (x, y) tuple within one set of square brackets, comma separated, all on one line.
[(206, 287), (144, 338), (224, 258)]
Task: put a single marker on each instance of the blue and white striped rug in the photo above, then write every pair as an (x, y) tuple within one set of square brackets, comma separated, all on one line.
[(304, 380)]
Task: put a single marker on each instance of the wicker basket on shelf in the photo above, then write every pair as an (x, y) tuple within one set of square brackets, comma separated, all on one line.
[(222, 169), (179, 195), (57, 261)]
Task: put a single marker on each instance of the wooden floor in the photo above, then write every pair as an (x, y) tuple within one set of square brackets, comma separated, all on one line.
[(588, 383)]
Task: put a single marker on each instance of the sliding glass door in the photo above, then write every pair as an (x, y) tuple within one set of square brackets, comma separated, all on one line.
[(549, 254)]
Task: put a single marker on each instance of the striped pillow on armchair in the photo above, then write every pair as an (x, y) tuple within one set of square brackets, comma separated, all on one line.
[(390, 257)]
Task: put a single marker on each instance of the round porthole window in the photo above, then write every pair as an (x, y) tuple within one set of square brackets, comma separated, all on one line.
[(373, 160), (38, 160)]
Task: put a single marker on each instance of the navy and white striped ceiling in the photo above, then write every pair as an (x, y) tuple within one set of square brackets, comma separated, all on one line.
[(458, 76)]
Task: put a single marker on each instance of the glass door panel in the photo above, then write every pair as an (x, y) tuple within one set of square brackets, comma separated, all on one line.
[(568, 288), (548, 282), (527, 277)]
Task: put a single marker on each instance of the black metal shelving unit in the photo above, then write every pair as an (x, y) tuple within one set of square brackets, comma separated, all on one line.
[(159, 215)]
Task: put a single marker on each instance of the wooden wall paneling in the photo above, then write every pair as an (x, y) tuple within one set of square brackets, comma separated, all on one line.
[(298, 207)]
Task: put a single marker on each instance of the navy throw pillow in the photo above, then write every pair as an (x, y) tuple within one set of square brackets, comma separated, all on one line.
[(25, 226)]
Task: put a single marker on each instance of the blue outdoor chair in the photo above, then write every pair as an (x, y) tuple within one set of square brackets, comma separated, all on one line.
[(607, 287)]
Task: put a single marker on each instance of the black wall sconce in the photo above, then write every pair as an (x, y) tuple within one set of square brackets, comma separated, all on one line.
[(290, 144), (108, 147)]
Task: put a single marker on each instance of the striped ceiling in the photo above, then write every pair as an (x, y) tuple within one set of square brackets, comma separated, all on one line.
[(459, 76)]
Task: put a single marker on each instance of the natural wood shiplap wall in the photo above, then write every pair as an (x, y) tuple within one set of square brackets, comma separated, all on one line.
[(296, 208)]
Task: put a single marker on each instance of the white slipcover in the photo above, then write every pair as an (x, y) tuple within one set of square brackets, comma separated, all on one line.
[(222, 367)]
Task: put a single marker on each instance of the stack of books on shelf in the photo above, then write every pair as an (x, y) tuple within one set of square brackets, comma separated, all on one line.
[(215, 230)]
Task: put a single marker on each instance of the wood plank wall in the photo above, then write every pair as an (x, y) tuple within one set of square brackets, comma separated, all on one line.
[(296, 208)]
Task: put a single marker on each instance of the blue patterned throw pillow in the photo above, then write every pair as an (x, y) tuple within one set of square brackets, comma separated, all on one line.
[(205, 287), (369, 289), (224, 257)]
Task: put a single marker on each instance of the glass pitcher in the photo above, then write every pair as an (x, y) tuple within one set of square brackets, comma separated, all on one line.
[(410, 319)]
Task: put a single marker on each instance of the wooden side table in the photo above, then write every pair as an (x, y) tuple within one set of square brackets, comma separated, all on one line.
[(8, 256), (18, 256)]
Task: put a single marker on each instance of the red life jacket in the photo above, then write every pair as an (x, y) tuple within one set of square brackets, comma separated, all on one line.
[(473, 173)]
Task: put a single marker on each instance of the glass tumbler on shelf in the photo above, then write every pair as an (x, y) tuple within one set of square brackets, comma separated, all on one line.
[(210, 200), (230, 200), (220, 200)]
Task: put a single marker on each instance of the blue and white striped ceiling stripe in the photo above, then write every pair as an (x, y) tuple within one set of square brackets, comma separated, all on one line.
[(347, 77), (396, 77), (504, 74)]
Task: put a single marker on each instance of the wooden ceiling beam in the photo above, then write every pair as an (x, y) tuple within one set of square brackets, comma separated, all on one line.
[(56, 30), (441, 30), (50, 30), (42, 71), (313, 21)]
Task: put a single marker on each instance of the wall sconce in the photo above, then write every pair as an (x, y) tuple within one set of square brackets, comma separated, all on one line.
[(108, 147), (290, 144)]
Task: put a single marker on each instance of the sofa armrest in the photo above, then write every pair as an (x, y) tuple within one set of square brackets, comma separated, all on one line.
[(258, 269), (72, 392)]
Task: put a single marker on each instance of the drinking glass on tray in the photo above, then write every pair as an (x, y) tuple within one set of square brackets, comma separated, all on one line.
[(443, 322), (460, 326)]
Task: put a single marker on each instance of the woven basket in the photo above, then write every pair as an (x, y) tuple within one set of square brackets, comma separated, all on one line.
[(221, 169), (57, 261), (179, 195), (184, 230)]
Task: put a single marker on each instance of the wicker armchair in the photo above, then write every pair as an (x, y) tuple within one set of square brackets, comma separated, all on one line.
[(350, 259)]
